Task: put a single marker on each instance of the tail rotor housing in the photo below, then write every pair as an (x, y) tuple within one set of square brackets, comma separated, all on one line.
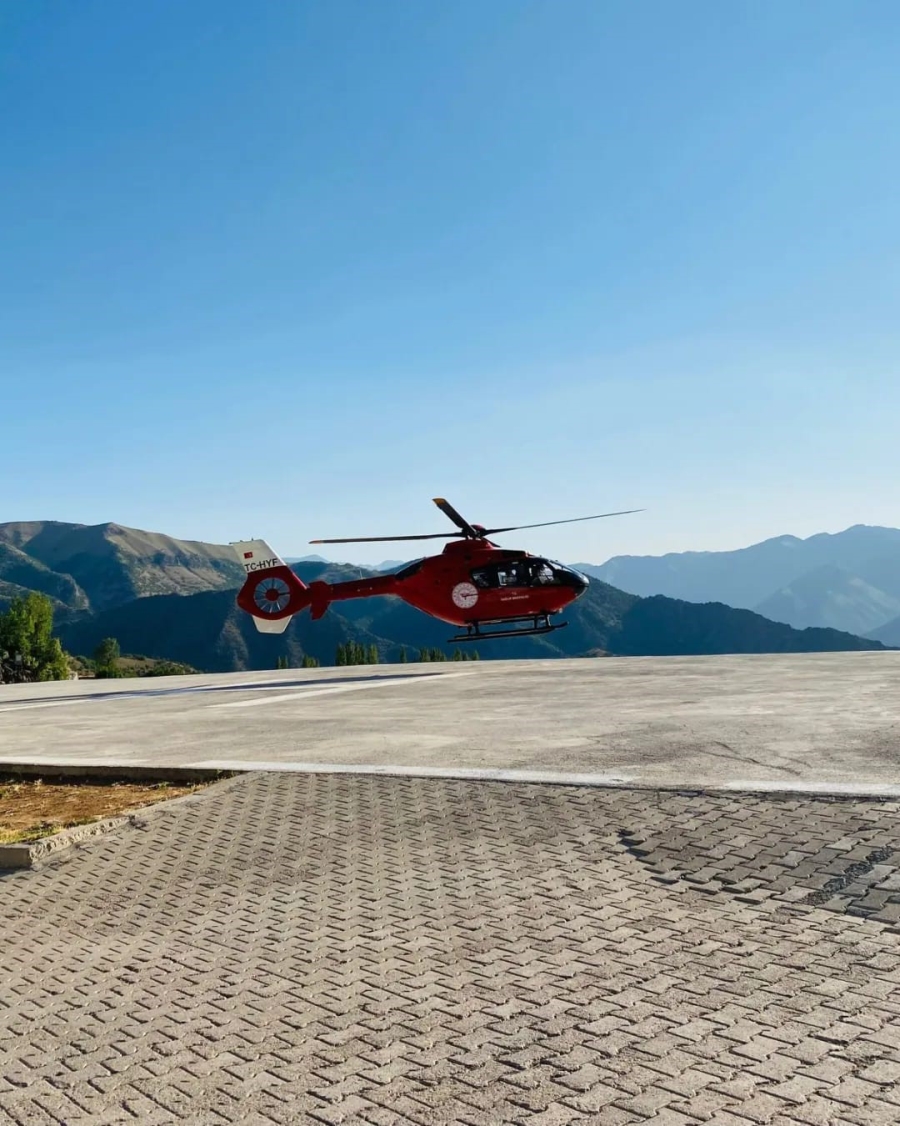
[(271, 593)]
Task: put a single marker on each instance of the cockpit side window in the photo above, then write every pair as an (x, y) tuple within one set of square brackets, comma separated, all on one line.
[(518, 572), (485, 577)]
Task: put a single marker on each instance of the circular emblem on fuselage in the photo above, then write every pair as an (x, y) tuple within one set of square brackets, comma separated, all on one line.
[(464, 595), (271, 595)]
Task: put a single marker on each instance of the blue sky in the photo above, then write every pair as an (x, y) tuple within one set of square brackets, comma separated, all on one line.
[(293, 269)]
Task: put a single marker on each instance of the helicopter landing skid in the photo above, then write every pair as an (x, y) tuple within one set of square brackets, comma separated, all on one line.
[(533, 624)]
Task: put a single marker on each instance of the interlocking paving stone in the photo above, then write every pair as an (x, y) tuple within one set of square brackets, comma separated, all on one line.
[(301, 948)]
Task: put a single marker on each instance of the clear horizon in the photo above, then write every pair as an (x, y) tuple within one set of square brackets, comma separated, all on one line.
[(292, 272)]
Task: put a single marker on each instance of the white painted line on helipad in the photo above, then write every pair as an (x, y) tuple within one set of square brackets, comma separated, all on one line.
[(140, 694), (42, 704), (292, 695), (306, 689)]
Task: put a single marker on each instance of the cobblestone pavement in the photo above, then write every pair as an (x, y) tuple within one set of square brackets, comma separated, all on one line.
[(324, 949)]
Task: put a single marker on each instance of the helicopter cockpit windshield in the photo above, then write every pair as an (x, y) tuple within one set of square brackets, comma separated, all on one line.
[(525, 573)]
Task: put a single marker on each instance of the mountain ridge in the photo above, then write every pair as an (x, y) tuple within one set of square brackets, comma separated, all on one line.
[(112, 564), (175, 599), (780, 576)]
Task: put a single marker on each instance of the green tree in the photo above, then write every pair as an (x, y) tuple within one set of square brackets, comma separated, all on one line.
[(106, 658), (310, 662), (372, 655), (340, 656), (28, 649), (168, 668), (404, 659)]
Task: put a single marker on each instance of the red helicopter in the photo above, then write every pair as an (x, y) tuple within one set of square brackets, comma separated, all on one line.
[(473, 583)]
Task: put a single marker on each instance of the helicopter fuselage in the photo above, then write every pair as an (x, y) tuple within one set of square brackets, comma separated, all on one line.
[(469, 582), (486, 590)]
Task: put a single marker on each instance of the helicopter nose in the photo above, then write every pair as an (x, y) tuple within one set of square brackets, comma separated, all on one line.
[(577, 580)]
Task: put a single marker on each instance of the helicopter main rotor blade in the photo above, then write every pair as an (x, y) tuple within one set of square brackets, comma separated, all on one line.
[(391, 539), (547, 523), (450, 512), (466, 529)]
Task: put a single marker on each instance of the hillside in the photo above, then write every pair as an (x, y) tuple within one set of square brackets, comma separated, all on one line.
[(849, 580), (209, 632), (660, 626), (174, 599), (105, 565), (20, 573)]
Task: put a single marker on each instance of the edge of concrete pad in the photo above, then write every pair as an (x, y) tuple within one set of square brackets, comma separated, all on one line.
[(29, 854), (223, 770), (836, 791)]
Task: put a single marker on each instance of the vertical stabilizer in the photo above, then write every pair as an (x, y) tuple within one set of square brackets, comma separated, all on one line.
[(271, 593)]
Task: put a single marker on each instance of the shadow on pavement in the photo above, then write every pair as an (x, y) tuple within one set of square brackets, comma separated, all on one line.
[(125, 694)]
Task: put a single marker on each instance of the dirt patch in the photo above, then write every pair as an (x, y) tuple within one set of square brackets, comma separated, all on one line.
[(32, 808)]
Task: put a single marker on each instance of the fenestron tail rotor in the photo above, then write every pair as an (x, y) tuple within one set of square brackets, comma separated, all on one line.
[(471, 531)]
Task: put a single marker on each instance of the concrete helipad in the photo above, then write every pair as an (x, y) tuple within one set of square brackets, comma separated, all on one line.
[(818, 722), (308, 943)]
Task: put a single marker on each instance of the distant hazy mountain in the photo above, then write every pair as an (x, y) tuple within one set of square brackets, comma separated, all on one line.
[(848, 580), (387, 565), (828, 596), (888, 634), (305, 559)]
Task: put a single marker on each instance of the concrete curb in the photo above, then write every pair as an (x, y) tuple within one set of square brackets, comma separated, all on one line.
[(114, 770), (29, 854), (25, 854)]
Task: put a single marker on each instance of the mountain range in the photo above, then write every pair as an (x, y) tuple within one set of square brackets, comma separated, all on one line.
[(174, 599), (96, 567), (848, 580)]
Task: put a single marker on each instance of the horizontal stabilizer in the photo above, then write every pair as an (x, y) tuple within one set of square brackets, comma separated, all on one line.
[(269, 625)]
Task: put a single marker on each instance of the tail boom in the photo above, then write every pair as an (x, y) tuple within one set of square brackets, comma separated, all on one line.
[(272, 593)]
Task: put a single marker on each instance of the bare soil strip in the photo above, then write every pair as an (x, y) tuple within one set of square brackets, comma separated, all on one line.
[(34, 808)]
